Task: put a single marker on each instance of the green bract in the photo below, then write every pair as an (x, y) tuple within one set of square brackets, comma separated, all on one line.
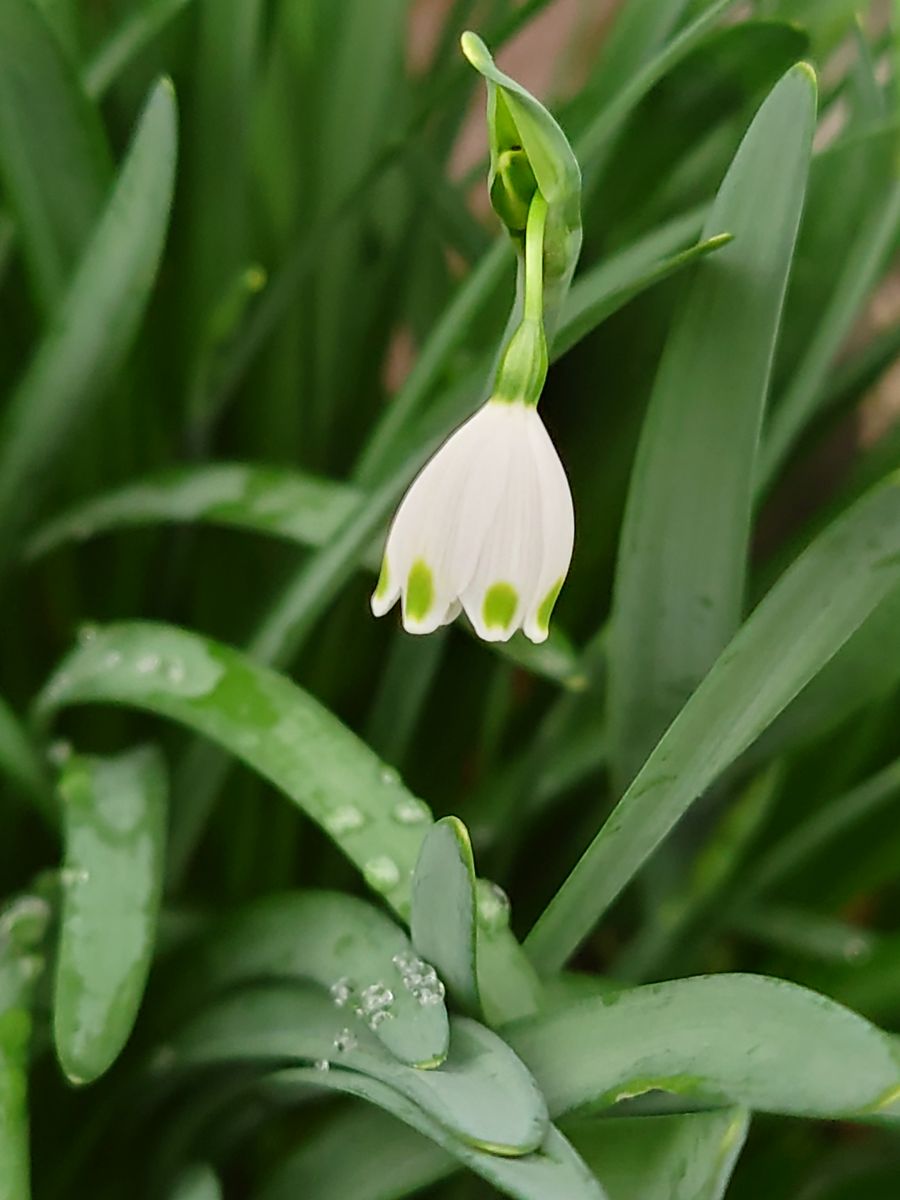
[(530, 152)]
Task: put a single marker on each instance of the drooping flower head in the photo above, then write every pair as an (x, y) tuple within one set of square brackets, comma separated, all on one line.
[(487, 527)]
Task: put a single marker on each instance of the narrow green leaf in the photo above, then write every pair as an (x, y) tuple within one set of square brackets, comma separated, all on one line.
[(57, 191), (93, 327), (761, 1043), (825, 824), (482, 1093), (554, 1169), (197, 1183), (679, 585), (805, 619), (864, 263), (804, 934), (338, 942), (23, 924), (443, 920), (598, 293), (640, 28), (127, 42), (284, 503), (389, 1160), (114, 816), (21, 762), (277, 729), (687, 1157)]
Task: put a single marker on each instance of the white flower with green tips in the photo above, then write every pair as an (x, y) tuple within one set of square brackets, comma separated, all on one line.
[(487, 527)]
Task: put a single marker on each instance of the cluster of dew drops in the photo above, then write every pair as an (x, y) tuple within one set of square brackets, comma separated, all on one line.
[(374, 1003)]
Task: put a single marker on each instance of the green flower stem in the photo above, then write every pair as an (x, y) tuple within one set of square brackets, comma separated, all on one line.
[(534, 259)]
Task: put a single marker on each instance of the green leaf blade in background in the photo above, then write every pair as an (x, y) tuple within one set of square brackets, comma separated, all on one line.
[(94, 324), (802, 623), (197, 1183), (114, 817), (685, 1157), (444, 911), (679, 585), (56, 193), (761, 1043)]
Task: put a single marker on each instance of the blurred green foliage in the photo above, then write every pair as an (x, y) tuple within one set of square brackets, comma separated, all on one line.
[(246, 287)]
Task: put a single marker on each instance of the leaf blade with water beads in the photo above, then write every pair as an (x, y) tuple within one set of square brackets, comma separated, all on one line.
[(114, 818), (281, 732), (482, 1093), (338, 942)]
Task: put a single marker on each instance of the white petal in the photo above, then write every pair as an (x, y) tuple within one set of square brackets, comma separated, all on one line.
[(510, 559), (558, 530), (441, 521)]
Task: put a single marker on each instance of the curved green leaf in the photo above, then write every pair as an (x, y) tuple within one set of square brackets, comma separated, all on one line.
[(809, 614), (114, 817), (679, 588), (554, 1169), (765, 1044), (94, 324), (481, 1093), (337, 941), (54, 160), (685, 1157), (443, 920), (283, 734), (284, 503), (129, 39)]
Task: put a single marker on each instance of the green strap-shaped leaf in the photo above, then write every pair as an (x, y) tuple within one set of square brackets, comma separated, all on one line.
[(444, 911), (281, 732), (686, 1157), (114, 817), (94, 324), (130, 37), (339, 942), (595, 297), (805, 619), (21, 762), (482, 1093), (554, 1169), (865, 261), (23, 924), (679, 587), (284, 503), (761, 1043), (54, 161)]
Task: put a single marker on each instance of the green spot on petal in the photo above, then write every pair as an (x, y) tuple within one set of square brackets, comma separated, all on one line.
[(419, 591), (546, 606), (384, 580), (500, 603)]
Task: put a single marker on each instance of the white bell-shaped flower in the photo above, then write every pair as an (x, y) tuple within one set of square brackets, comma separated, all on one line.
[(487, 526)]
